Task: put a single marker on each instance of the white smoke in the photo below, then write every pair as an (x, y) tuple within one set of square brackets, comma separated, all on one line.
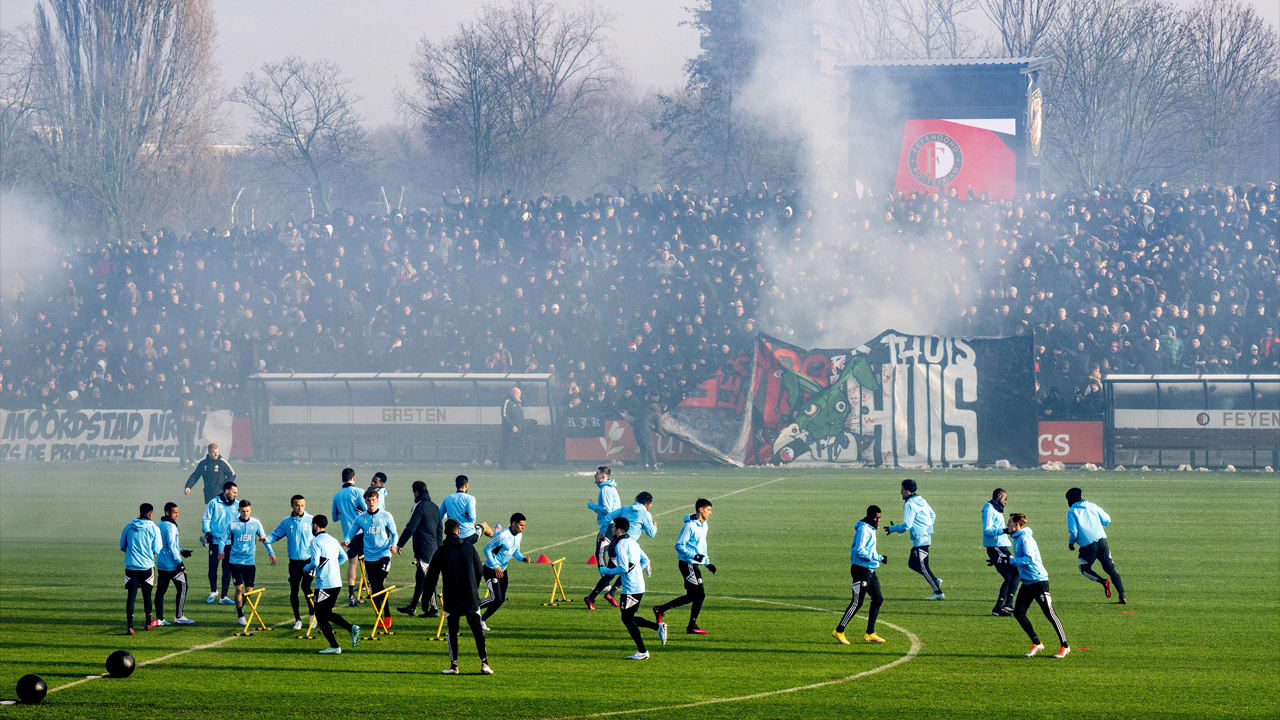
[(27, 248), (836, 283)]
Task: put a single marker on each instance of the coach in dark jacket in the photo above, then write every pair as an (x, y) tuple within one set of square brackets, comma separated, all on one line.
[(424, 529), (215, 471), (459, 565)]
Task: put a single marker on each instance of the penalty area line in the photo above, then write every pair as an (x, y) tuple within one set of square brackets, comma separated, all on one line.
[(912, 652)]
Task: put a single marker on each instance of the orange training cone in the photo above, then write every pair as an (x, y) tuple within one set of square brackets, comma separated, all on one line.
[(592, 560), (543, 559)]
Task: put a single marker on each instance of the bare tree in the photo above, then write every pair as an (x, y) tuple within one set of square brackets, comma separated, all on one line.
[(933, 28), (123, 90), (17, 100), (1117, 102), (1233, 65), (457, 96), (1022, 24), (306, 119), (552, 66)]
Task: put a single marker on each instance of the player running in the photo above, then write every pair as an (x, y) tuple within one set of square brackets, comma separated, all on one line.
[(996, 541), (631, 563), (238, 546), (1085, 523), (1035, 585), (140, 542), (504, 547), (347, 505), (171, 568), (326, 555), (218, 513), (607, 501), (691, 556), (378, 529), (296, 528), (917, 518), (863, 561)]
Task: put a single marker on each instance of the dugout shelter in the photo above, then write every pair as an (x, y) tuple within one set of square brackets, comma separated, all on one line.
[(398, 417)]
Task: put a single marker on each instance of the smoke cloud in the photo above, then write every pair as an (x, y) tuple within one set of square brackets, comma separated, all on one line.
[(847, 273)]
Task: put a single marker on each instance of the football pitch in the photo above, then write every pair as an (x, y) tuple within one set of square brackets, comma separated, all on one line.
[(1199, 554)]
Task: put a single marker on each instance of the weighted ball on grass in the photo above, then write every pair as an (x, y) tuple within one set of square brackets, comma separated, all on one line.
[(31, 689), (120, 664)]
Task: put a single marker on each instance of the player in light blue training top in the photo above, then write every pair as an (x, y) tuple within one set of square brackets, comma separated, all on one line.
[(296, 529), (1085, 523), (637, 514), (996, 541), (1035, 585), (326, 554), (691, 557), (347, 505), (218, 512), (242, 535), (461, 506), (379, 531), (171, 568), (863, 561), (607, 501), (504, 547), (140, 542), (917, 519), (632, 565)]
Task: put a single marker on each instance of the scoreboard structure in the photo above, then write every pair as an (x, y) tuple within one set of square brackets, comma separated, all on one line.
[(972, 125)]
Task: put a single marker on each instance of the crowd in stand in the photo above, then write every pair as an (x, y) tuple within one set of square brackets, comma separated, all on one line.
[(614, 294)]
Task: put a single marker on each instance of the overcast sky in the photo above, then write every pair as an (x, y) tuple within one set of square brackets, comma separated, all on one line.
[(373, 39)]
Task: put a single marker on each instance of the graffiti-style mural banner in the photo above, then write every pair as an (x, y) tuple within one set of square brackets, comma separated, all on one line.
[(898, 401)]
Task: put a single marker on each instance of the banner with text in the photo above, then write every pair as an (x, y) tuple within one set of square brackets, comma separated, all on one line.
[(86, 435), (898, 401), (592, 437)]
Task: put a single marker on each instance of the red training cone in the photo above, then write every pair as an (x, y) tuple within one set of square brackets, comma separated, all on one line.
[(592, 560), (544, 560)]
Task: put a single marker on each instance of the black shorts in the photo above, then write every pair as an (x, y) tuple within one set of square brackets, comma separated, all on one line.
[(1096, 550), (296, 571), (998, 556), (356, 548), (139, 577), (243, 574)]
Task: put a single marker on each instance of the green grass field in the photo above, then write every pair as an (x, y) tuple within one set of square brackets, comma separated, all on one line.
[(1199, 552)]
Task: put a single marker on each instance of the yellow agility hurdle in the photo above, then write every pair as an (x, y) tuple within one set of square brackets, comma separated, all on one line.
[(378, 608), (556, 587), (311, 622), (252, 598), (363, 589)]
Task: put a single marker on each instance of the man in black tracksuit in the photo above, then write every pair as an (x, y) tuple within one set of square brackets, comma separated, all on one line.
[(459, 564), (513, 432), (215, 471), (424, 528)]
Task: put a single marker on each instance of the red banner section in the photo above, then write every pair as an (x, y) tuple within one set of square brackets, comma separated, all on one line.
[(940, 154), (1070, 441), (617, 441)]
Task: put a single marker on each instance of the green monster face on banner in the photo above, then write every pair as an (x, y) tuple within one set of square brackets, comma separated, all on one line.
[(821, 418)]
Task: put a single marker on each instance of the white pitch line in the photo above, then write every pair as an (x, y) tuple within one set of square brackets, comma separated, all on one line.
[(153, 661), (911, 653), (660, 514)]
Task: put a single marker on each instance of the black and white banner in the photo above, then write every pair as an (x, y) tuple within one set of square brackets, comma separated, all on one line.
[(81, 435), (899, 401)]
